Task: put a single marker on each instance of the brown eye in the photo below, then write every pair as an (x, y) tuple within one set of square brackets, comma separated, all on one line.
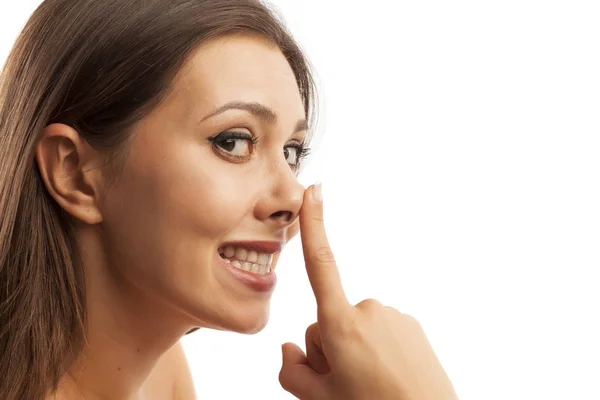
[(295, 153), (237, 144), (237, 147), (291, 155)]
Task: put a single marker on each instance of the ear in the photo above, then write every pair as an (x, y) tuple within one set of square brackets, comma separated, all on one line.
[(70, 169)]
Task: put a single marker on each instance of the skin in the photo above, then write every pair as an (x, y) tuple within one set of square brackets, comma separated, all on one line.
[(150, 246), (150, 240), (366, 351)]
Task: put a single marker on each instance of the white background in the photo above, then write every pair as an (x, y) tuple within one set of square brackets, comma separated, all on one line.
[(460, 158)]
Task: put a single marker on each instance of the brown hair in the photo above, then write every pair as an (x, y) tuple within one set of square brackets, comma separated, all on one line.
[(99, 66)]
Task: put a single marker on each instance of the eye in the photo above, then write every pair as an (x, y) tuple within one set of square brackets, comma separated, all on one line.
[(291, 155), (237, 145), (294, 154)]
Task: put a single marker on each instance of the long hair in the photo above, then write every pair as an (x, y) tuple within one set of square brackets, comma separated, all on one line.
[(99, 66)]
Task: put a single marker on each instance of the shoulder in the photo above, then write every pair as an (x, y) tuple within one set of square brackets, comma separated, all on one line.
[(183, 386), (172, 375)]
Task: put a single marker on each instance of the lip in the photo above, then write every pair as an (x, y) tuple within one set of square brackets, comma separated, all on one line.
[(259, 283), (264, 246)]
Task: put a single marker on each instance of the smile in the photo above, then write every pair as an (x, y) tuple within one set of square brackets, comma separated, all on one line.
[(253, 257)]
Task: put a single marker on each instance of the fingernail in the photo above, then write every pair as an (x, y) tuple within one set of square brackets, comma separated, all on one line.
[(318, 192)]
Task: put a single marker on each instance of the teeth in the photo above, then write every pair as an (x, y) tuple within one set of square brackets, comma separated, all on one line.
[(252, 256), (241, 254), (229, 252), (258, 269), (263, 259)]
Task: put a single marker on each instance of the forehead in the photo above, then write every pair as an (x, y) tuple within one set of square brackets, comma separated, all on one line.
[(240, 68)]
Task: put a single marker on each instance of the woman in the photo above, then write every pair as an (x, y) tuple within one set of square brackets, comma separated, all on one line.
[(148, 184)]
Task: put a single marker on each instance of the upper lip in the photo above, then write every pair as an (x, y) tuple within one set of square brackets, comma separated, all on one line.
[(260, 246)]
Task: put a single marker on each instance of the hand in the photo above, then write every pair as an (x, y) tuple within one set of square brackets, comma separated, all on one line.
[(363, 352)]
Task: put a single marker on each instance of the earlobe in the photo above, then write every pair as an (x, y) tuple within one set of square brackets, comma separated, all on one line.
[(69, 169)]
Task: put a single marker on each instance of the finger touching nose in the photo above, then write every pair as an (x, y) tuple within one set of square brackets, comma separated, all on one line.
[(281, 203), (321, 267)]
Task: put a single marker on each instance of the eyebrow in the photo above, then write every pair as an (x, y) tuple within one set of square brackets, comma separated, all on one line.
[(257, 109)]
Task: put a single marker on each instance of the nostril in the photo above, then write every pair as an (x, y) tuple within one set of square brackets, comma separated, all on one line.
[(282, 215)]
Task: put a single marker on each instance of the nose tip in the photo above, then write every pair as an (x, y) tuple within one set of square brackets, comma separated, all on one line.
[(280, 202)]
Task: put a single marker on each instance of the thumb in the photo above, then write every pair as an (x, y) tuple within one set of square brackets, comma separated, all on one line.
[(297, 377)]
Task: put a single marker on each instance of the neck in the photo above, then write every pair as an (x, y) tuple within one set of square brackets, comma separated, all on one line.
[(128, 331)]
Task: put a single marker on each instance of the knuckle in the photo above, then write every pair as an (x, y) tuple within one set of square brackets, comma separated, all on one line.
[(324, 255), (392, 311), (318, 219), (370, 305), (338, 323), (411, 320), (348, 324)]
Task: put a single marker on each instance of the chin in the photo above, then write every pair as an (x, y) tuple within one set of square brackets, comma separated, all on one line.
[(249, 323), (244, 320)]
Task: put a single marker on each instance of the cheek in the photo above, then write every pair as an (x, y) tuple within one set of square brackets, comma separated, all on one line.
[(169, 209), (174, 204), (209, 203)]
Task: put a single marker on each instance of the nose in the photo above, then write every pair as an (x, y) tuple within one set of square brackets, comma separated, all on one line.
[(280, 204)]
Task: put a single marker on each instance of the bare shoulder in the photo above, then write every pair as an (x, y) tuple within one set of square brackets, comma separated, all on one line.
[(171, 377), (183, 386)]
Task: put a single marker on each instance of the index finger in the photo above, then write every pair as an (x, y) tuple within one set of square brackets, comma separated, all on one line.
[(321, 268)]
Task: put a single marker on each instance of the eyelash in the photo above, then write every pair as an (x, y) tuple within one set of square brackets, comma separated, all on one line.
[(302, 151), (229, 135)]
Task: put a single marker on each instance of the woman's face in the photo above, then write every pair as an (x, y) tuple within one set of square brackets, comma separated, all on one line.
[(212, 170)]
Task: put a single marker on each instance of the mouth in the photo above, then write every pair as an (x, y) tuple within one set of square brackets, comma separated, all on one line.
[(254, 257)]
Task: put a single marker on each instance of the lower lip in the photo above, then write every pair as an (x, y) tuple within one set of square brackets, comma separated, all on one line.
[(258, 283)]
